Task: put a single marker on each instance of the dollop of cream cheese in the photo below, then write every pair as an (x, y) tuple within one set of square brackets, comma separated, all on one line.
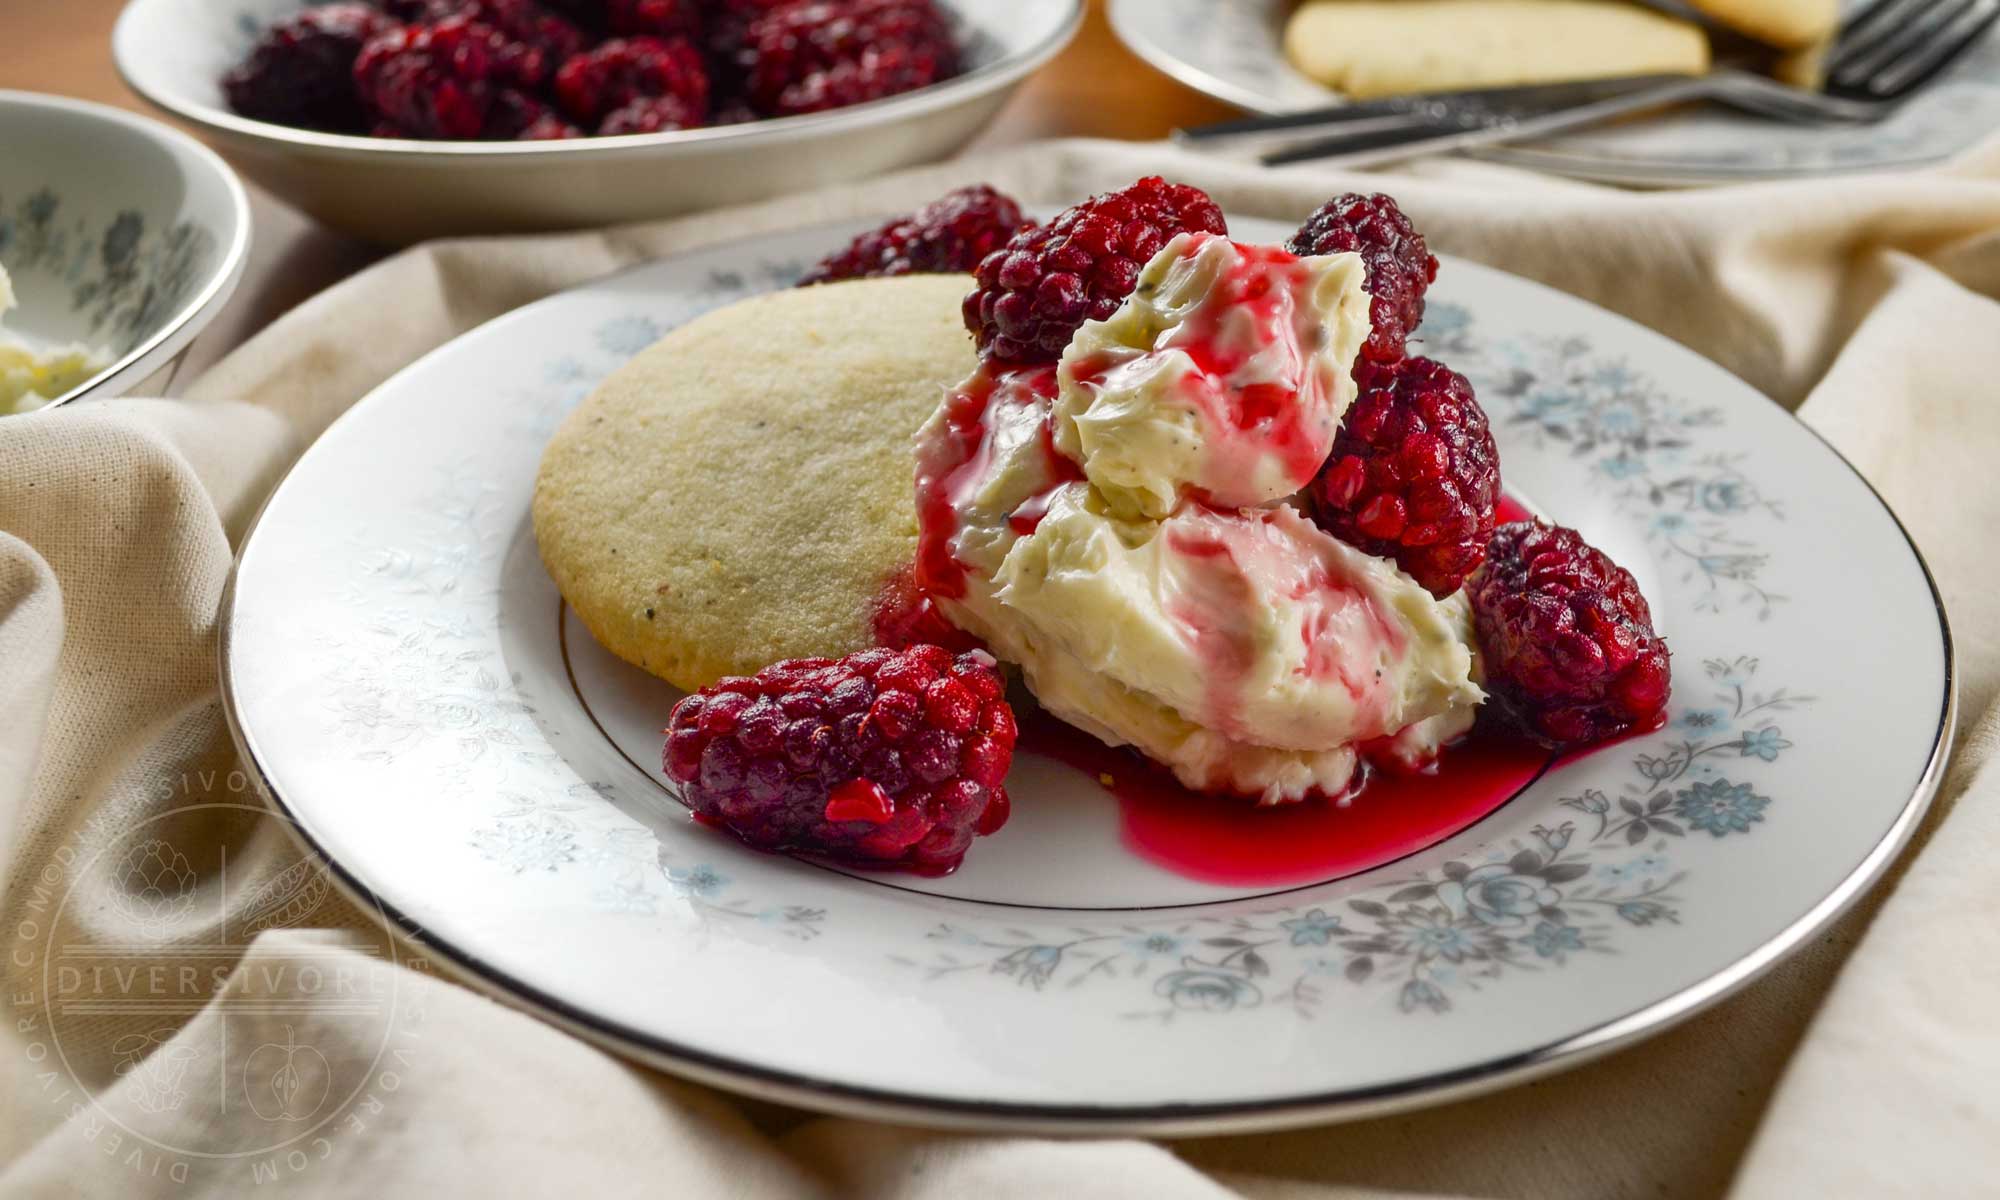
[(1233, 641), (1222, 378)]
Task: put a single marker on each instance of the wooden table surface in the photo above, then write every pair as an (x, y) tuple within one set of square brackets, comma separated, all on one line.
[(1095, 88)]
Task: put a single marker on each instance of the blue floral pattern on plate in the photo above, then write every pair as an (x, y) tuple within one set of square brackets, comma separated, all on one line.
[(1640, 443), (1573, 890)]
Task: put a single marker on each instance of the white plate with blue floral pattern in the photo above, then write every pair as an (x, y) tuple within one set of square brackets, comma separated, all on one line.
[(1232, 52), (409, 686)]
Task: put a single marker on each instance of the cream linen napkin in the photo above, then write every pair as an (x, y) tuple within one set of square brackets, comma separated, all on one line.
[(1869, 1064)]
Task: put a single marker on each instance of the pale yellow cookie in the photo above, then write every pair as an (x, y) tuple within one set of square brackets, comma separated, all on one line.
[(1804, 68), (741, 492), (1372, 48), (1786, 24)]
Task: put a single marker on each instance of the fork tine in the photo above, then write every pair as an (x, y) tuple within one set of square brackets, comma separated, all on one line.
[(1917, 69), (1915, 33), (1860, 22), (1897, 19)]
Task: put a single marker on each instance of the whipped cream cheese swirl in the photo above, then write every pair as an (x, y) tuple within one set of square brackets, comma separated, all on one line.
[(1117, 526)]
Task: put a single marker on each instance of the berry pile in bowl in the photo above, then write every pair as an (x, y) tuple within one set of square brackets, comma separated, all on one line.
[(1200, 501), (404, 119), (525, 70)]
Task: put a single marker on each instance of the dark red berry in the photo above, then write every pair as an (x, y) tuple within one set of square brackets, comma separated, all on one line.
[(665, 80), (1039, 288), (1414, 474), (948, 235), (301, 70), (1399, 266), (1566, 639), (654, 18), (444, 80), (725, 32), (517, 116), (813, 55), (653, 114), (526, 21), (884, 758)]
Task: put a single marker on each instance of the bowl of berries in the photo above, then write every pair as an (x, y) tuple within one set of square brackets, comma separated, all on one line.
[(399, 120)]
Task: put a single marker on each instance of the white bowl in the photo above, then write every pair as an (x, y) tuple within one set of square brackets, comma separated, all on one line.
[(174, 52), (117, 232)]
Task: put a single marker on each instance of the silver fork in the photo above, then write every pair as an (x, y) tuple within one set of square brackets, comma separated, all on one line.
[(1879, 58)]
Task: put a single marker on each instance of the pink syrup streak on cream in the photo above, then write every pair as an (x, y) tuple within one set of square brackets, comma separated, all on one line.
[(1247, 558), (1253, 379), (958, 455), (1283, 410)]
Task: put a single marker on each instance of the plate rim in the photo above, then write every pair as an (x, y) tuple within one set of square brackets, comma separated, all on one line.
[(1535, 156), (1204, 1118)]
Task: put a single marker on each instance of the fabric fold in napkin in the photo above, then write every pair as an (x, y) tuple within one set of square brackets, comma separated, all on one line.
[(1864, 1065)]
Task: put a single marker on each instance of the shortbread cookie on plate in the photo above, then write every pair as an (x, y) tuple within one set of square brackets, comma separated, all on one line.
[(1787, 24), (741, 491), (1373, 48)]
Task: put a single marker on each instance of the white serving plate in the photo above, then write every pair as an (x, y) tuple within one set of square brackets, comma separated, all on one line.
[(414, 695)]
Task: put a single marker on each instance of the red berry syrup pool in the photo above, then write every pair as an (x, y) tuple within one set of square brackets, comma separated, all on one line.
[(1234, 841)]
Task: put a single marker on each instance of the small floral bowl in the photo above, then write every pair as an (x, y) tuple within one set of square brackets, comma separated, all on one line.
[(396, 191), (117, 232)]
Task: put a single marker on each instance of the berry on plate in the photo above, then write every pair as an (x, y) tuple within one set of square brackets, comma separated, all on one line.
[(949, 235), (882, 758), (1400, 266), (1566, 638), (1040, 288), (1414, 474), (301, 71)]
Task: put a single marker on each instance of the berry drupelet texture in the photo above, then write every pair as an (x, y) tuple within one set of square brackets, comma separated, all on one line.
[(1400, 267), (883, 758), (655, 18), (635, 85), (1038, 289), (1566, 638), (814, 55), (526, 21), (949, 235), (1414, 474), (443, 80)]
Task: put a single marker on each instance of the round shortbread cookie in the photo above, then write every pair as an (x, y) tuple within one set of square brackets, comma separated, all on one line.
[(741, 492)]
